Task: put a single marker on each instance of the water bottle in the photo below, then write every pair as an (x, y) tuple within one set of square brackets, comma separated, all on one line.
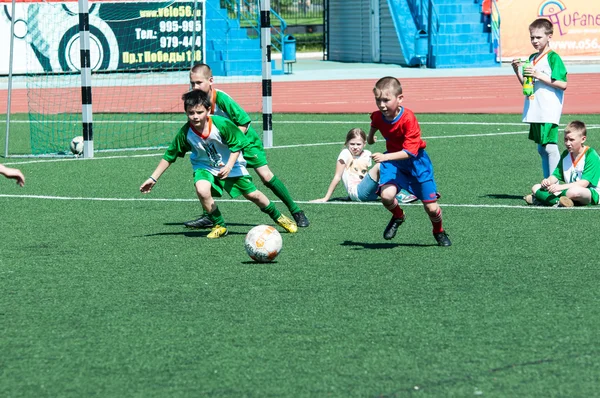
[(527, 81)]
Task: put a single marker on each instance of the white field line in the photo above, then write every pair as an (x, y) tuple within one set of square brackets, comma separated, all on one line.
[(346, 203)]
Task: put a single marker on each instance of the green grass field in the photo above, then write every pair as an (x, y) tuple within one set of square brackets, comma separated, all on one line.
[(104, 293)]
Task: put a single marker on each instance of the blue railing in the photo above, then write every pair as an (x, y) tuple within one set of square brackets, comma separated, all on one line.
[(247, 12)]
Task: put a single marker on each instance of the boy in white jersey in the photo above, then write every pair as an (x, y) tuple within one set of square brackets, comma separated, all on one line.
[(575, 180), (543, 109), (215, 144), (223, 105)]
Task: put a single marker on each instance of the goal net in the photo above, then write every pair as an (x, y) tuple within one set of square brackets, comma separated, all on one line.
[(141, 53)]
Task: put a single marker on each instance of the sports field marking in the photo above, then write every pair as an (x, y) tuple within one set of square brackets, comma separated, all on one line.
[(304, 202)]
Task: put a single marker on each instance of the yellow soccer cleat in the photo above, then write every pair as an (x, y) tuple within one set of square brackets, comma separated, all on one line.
[(217, 231), (287, 224)]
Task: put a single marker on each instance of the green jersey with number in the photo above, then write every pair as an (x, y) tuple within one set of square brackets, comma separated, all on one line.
[(213, 151), (585, 167)]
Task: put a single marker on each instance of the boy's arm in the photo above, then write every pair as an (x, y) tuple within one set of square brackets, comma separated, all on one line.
[(516, 64), (371, 139), (382, 157), (153, 179), (15, 174), (225, 170), (549, 80), (558, 77), (555, 188)]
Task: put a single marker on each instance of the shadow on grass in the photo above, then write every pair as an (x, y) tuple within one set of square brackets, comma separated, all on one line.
[(358, 245), (193, 233), (503, 196), (233, 224)]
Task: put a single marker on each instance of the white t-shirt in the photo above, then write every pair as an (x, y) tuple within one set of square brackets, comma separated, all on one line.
[(356, 168), (545, 106)]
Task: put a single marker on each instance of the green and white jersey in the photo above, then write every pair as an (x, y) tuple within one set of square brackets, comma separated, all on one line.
[(546, 103), (224, 105), (585, 167), (210, 152)]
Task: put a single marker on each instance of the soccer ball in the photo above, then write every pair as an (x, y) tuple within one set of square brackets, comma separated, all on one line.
[(76, 145), (263, 243)]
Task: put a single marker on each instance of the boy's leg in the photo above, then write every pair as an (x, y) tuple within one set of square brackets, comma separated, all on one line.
[(256, 158), (550, 158), (388, 198), (204, 221), (269, 208), (434, 211), (546, 198), (203, 190)]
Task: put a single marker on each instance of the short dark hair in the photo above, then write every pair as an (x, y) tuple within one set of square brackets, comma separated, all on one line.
[(201, 67), (194, 98), (544, 24), (387, 83)]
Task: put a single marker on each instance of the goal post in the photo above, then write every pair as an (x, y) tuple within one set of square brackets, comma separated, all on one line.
[(140, 53)]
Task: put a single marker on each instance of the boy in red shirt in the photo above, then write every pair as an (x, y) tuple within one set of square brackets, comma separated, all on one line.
[(405, 164)]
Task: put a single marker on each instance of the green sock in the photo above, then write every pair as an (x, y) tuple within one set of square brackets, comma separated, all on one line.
[(271, 211), (282, 193), (216, 217), (549, 199)]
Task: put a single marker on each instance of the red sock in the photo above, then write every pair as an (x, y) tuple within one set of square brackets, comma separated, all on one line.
[(436, 221), (395, 209)]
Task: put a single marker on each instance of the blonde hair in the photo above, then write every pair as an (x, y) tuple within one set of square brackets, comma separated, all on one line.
[(355, 133), (387, 83), (576, 126), (542, 23)]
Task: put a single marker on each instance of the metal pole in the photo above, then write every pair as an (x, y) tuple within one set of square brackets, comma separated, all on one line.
[(265, 44), (10, 70), (86, 79)]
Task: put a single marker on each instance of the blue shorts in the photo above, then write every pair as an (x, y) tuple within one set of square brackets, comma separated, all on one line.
[(367, 189), (414, 175)]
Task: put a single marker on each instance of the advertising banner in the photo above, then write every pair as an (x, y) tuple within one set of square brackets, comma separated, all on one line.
[(124, 35), (576, 27)]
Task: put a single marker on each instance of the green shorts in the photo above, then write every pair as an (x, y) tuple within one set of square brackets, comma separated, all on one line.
[(255, 152), (543, 133), (234, 186)]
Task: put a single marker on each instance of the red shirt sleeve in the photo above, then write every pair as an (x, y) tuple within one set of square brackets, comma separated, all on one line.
[(412, 135)]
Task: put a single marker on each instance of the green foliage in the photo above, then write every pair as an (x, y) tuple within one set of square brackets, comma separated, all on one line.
[(104, 293)]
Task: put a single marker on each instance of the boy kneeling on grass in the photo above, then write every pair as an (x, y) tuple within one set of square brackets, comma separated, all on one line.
[(574, 182), (215, 144)]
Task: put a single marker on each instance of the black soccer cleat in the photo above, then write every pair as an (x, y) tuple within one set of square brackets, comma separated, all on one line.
[(392, 227), (442, 239), (301, 219), (199, 223)]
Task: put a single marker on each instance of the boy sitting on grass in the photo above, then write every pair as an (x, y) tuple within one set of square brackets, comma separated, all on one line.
[(575, 179), (215, 144)]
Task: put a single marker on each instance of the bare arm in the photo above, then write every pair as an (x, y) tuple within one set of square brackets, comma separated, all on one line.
[(226, 169), (382, 157), (339, 170), (14, 174), (547, 79), (516, 64), (371, 139), (147, 186), (556, 188)]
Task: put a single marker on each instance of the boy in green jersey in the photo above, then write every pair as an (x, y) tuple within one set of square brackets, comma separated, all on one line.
[(215, 144), (223, 105), (542, 109), (575, 179)]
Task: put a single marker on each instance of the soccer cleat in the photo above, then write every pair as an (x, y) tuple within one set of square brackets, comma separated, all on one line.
[(405, 197), (532, 200), (199, 223), (301, 219), (563, 201), (392, 227), (218, 231), (442, 239), (287, 224)]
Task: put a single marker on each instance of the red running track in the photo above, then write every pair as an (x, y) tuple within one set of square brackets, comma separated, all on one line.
[(479, 94)]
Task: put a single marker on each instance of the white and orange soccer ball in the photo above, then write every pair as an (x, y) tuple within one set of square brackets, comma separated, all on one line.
[(263, 243)]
